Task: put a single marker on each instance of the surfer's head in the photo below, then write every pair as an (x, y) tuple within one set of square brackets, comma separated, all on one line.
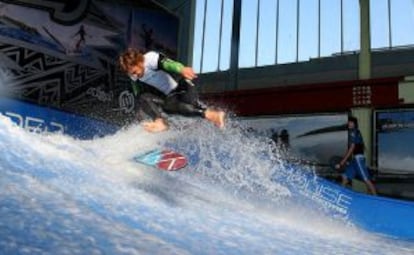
[(132, 62)]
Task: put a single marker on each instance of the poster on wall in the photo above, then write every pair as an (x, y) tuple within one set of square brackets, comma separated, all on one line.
[(146, 26), (92, 26), (314, 138), (394, 136), (63, 54)]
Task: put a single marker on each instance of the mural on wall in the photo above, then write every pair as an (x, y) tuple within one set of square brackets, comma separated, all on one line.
[(63, 53), (394, 133), (307, 138)]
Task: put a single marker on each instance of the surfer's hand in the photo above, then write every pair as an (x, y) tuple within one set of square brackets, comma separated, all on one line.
[(188, 73)]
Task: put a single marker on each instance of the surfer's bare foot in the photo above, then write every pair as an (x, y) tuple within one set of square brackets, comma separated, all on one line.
[(216, 117), (158, 125)]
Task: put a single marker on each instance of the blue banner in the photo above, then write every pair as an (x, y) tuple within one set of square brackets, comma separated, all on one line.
[(37, 118), (386, 216)]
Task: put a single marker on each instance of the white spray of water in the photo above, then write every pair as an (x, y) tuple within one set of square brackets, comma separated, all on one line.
[(66, 196)]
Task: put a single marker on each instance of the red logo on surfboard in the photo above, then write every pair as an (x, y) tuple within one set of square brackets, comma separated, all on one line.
[(171, 161)]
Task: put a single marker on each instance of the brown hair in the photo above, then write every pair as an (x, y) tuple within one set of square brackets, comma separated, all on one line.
[(353, 120), (130, 58)]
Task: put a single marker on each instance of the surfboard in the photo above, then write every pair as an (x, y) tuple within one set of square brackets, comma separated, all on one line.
[(162, 159)]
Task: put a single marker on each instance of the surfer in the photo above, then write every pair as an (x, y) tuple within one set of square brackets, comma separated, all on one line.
[(356, 151), (158, 92), (82, 40)]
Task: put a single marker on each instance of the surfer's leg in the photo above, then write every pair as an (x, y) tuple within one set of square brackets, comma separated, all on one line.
[(217, 117), (173, 104), (151, 105), (184, 100), (187, 93), (155, 126)]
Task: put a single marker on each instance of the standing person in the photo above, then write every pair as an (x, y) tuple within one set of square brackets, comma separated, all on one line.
[(357, 166), (158, 92)]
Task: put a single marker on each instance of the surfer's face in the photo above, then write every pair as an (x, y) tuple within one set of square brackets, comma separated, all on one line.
[(137, 70)]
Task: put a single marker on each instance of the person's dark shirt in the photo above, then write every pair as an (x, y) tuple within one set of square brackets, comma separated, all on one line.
[(355, 137)]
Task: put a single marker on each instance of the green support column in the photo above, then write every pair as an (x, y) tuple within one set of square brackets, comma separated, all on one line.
[(190, 48), (365, 52), (364, 114)]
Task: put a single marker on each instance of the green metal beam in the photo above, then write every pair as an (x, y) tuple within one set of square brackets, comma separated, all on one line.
[(365, 53)]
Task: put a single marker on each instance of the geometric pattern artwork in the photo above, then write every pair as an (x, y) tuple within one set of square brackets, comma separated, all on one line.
[(77, 76), (63, 53), (49, 80), (361, 95), (43, 78)]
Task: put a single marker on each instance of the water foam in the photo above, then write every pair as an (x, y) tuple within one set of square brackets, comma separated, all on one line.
[(67, 196)]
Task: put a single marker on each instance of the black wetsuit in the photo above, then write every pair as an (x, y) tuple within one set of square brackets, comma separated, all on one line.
[(183, 100)]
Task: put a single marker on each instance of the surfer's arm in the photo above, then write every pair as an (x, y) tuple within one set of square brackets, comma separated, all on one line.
[(171, 66)]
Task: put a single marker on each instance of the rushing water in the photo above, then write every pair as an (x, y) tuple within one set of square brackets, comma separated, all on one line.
[(66, 196)]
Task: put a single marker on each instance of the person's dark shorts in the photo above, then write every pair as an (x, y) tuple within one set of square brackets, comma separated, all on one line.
[(357, 167)]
